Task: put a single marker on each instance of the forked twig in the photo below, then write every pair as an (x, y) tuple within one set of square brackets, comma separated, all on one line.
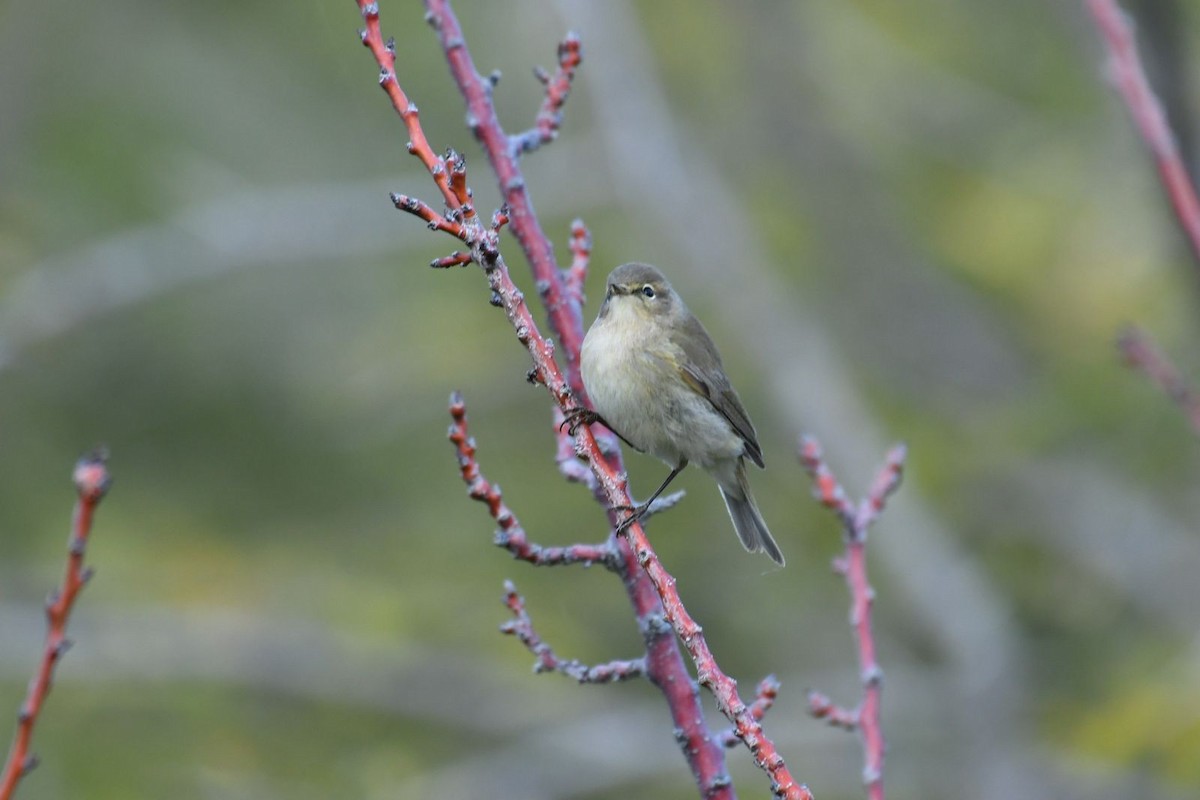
[(852, 565)]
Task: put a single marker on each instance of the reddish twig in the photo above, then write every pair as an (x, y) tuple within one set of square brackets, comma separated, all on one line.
[(1125, 71), (745, 725), (455, 259), (510, 534), (581, 253), (821, 707), (655, 599), (385, 56), (764, 698), (435, 221), (566, 457), (565, 313), (581, 256), (521, 626), (853, 566), (558, 87), (91, 483), (1141, 354), (573, 279)]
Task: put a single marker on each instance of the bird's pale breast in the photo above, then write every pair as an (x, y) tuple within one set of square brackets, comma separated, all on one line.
[(631, 372)]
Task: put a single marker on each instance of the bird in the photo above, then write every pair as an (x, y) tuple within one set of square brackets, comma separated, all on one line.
[(655, 379)]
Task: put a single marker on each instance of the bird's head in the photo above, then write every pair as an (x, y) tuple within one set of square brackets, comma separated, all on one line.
[(638, 289)]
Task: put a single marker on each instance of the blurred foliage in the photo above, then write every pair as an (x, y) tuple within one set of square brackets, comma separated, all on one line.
[(199, 267)]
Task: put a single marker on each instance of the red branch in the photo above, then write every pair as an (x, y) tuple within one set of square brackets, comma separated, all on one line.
[(521, 626), (558, 87), (566, 313), (653, 599), (821, 707), (385, 56), (581, 256), (511, 535), (573, 280), (435, 220), (91, 483), (1125, 71), (764, 698), (853, 566), (455, 259), (565, 456), (1141, 354)]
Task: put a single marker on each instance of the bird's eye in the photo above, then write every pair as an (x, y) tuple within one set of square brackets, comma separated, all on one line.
[(648, 290)]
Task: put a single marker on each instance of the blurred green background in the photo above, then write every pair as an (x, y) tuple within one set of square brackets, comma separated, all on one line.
[(923, 221)]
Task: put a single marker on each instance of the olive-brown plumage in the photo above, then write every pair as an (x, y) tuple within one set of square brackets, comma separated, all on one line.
[(655, 377)]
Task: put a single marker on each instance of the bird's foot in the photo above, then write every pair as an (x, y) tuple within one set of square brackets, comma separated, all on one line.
[(575, 418), (635, 514)]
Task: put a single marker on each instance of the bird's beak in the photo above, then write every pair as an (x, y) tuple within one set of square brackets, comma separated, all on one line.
[(616, 289)]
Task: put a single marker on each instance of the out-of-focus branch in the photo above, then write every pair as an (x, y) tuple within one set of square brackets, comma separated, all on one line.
[(558, 86), (521, 626), (1140, 353), (573, 279), (581, 256), (91, 483), (654, 599), (1125, 71), (822, 707), (852, 565)]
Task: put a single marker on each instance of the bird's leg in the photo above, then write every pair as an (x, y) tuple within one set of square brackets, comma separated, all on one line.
[(637, 512)]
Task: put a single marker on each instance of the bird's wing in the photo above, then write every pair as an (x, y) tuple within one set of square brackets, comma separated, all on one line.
[(702, 371)]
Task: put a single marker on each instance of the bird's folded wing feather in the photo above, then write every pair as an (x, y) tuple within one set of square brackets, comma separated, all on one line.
[(702, 372)]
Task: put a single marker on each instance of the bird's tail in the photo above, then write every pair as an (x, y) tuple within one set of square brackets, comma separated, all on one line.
[(747, 520)]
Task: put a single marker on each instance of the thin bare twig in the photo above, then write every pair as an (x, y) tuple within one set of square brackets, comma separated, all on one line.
[(1140, 353), (581, 256), (822, 707), (1126, 73), (91, 483), (572, 280), (852, 565), (510, 534), (764, 698), (521, 626), (558, 87)]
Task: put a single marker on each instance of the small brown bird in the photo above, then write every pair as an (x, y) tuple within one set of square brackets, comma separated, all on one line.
[(656, 380)]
